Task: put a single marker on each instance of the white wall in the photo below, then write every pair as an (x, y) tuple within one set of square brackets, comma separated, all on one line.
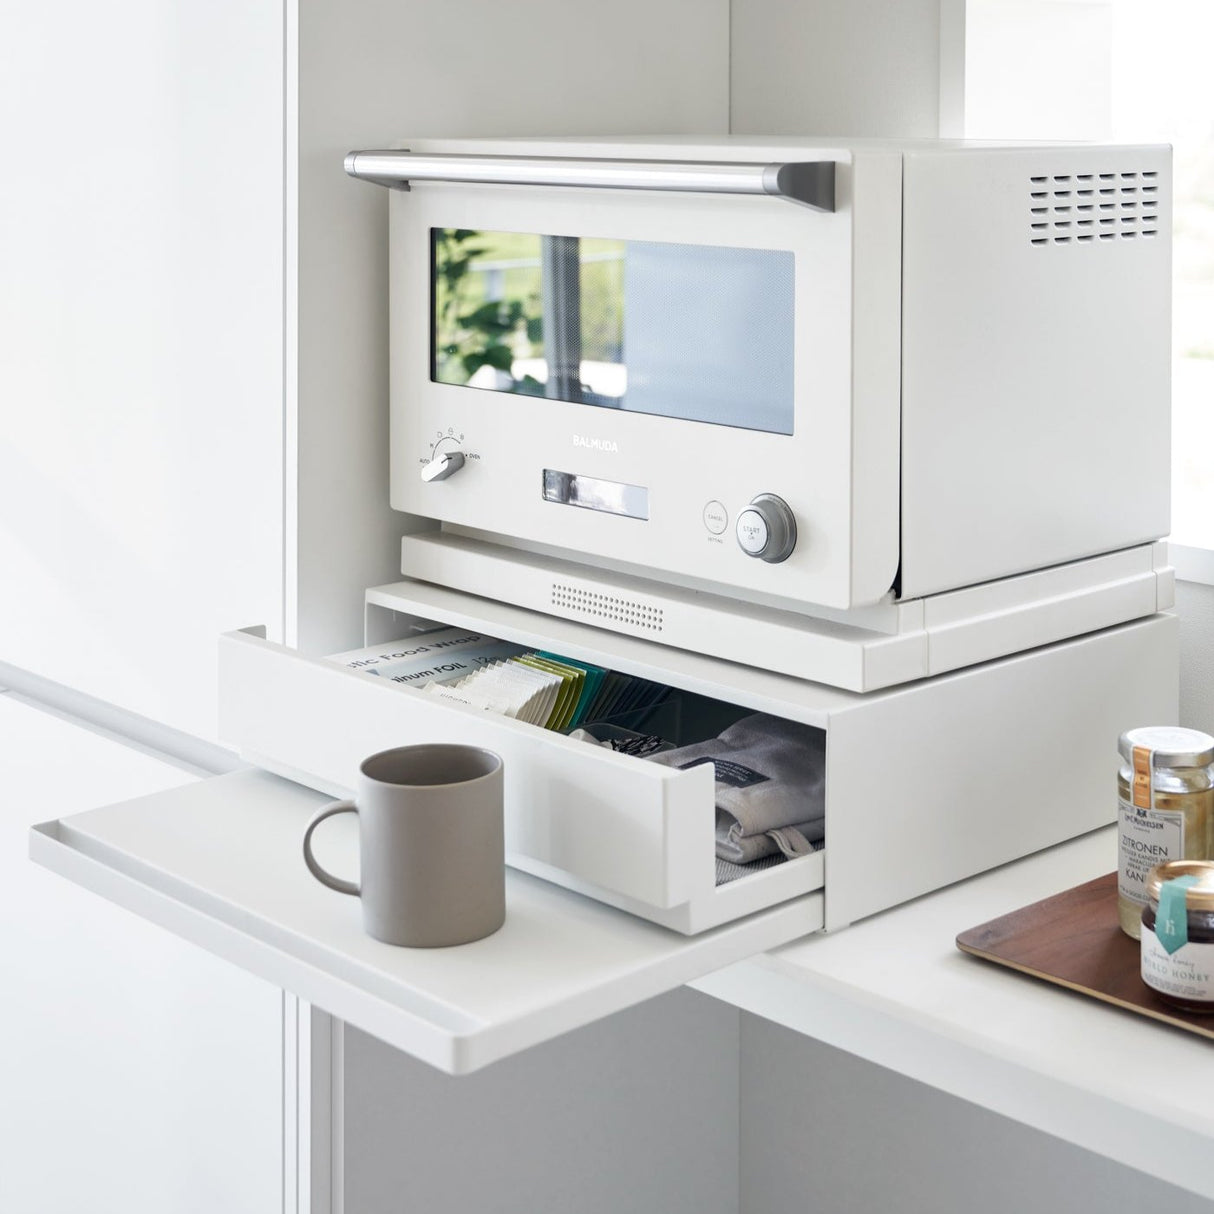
[(835, 67), (1037, 69), (140, 367), (1195, 606)]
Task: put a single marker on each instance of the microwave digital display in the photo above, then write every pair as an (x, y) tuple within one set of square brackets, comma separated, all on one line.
[(697, 332)]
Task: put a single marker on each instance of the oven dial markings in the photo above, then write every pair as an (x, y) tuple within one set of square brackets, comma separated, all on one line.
[(445, 457)]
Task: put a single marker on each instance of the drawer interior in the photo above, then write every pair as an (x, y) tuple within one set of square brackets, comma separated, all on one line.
[(675, 726)]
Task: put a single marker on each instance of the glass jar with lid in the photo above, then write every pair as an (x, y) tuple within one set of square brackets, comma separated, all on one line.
[(1178, 934), (1165, 793)]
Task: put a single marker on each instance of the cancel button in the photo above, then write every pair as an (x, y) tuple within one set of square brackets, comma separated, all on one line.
[(716, 517)]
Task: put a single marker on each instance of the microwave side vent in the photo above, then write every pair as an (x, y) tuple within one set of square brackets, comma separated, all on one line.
[(574, 600), (1093, 208)]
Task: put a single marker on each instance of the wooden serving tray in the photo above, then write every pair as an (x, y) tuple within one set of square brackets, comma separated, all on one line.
[(1073, 939)]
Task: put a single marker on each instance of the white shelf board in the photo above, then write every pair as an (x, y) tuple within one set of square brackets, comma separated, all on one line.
[(894, 989), (218, 862)]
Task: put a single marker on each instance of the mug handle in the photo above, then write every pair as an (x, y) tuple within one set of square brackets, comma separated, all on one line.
[(327, 811)]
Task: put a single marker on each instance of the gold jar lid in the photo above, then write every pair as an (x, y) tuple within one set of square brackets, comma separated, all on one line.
[(1199, 896)]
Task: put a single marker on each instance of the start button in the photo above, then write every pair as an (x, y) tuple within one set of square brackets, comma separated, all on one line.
[(716, 518)]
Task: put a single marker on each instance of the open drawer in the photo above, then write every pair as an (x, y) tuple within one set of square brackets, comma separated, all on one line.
[(625, 830), (926, 783)]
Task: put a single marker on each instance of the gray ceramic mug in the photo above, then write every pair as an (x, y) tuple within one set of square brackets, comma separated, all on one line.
[(431, 845)]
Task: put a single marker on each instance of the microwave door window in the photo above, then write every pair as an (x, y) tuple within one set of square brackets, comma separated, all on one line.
[(694, 332), (708, 333)]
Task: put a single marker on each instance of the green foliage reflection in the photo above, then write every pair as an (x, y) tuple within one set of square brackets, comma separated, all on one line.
[(488, 305)]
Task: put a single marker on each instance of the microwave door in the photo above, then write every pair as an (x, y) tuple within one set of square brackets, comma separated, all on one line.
[(629, 354)]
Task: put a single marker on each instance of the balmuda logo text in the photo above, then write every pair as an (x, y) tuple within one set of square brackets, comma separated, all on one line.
[(596, 444)]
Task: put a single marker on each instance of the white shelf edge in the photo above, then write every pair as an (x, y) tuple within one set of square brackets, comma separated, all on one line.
[(411, 1033), (393, 1002)]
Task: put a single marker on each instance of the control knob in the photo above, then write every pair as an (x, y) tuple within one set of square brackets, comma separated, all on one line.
[(443, 465), (767, 529)]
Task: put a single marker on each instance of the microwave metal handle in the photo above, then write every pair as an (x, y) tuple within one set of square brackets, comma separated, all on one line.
[(809, 182)]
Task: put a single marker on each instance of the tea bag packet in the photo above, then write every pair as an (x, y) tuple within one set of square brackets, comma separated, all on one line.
[(572, 680), (606, 698), (546, 683), (770, 780), (620, 695), (529, 693), (483, 690), (575, 686), (594, 676), (536, 689), (471, 698)]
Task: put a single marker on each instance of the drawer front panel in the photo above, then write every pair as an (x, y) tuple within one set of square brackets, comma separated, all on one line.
[(638, 829)]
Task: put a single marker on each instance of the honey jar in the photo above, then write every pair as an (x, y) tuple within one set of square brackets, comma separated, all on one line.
[(1177, 947), (1165, 793)]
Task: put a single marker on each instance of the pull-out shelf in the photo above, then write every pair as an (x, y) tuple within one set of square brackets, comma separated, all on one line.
[(218, 863)]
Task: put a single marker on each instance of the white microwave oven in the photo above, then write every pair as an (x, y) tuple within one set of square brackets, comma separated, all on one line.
[(822, 379)]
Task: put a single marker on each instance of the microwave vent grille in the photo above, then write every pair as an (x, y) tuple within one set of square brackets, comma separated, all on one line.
[(1093, 208), (612, 609)]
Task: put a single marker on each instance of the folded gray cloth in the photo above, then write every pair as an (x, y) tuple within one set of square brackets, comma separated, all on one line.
[(791, 841), (770, 786)]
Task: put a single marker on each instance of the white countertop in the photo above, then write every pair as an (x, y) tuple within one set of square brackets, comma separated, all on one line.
[(894, 989)]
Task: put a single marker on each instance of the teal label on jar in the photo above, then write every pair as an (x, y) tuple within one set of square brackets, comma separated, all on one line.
[(1172, 917)]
